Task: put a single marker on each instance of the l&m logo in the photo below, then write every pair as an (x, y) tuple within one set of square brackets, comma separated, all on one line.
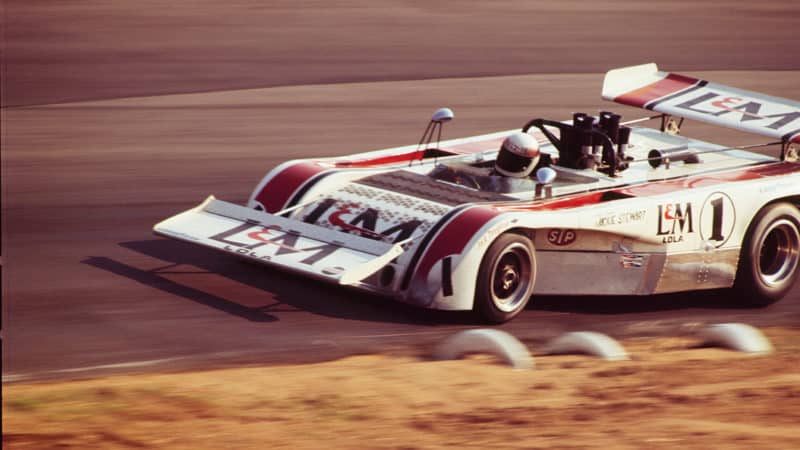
[(351, 218), (674, 221)]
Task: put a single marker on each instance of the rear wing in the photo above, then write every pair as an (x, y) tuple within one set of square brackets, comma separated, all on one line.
[(293, 245), (646, 87)]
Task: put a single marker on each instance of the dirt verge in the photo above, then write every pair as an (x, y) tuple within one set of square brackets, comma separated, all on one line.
[(671, 394)]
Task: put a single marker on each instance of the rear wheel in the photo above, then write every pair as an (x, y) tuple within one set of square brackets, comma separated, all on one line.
[(770, 257), (505, 278)]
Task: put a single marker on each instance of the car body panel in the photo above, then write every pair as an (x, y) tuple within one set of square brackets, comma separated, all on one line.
[(401, 231)]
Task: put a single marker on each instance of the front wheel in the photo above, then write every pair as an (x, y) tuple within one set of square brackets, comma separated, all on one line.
[(505, 279), (768, 266)]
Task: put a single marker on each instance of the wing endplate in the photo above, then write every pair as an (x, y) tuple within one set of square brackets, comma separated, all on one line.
[(646, 87)]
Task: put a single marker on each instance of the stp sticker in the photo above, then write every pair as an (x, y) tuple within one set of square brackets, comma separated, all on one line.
[(561, 237)]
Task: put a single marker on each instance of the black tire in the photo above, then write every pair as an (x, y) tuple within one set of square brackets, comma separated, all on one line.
[(505, 278), (768, 266)]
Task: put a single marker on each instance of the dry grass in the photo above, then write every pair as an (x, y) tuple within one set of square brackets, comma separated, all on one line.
[(671, 394)]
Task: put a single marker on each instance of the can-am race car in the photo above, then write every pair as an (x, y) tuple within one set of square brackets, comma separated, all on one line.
[(590, 205)]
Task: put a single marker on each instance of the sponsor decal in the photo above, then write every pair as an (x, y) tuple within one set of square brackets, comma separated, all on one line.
[(561, 237), (369, 217), (629, 260), (717, 219), (245, 238), (714, 104), (621, 218), (674, 221), (350, 218)]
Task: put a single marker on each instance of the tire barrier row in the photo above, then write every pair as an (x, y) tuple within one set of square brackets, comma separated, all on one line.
[(494, 342), (735, 336)]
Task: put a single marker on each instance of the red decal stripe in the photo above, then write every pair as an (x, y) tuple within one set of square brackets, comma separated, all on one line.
[(771, 170), (280, 188), (753, 173), (454, 236), (387, 159), (458, 149), (465, 148), (661, 187), (661, 88), (562, 203)]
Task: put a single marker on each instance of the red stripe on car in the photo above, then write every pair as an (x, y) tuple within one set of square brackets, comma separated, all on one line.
[(669, 85), (386, 159), (280, 188), (753, 173), (465, 148), (563, 203), (455, 235), (660, 187)]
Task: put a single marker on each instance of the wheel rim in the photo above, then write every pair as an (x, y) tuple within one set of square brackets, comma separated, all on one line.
[(511, 277), (779, 252)]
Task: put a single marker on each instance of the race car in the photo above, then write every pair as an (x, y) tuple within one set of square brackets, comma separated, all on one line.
[(590, 205)]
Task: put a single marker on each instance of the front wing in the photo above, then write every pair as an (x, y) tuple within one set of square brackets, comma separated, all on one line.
[(293, 245)]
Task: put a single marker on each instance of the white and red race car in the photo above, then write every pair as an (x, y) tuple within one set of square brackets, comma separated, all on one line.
[(585, 206)]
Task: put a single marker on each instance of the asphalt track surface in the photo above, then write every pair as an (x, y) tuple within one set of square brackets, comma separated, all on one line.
[(157, 120)]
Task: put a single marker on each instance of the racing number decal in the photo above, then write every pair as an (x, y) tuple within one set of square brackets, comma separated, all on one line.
[(717, 219)]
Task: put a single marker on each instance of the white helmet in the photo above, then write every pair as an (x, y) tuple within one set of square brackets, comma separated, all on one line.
[(518, 155)]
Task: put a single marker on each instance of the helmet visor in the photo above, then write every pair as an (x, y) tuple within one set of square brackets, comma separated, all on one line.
[(514, 164)]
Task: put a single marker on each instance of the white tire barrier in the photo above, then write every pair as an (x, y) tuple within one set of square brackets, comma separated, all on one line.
[(587, 342), (737, 336), (494, 342)]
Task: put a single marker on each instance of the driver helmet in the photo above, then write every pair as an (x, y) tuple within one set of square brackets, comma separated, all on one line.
[(518, 155)]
